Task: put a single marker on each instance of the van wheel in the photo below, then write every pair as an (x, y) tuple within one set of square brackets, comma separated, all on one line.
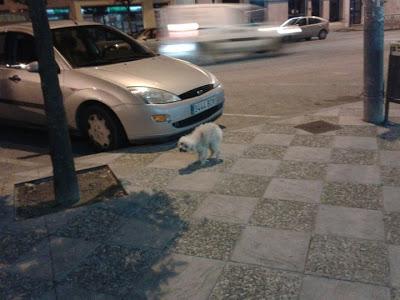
[(322, 34), (102, 128)]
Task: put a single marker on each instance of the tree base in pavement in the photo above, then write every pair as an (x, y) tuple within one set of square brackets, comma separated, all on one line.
[(36, 198)]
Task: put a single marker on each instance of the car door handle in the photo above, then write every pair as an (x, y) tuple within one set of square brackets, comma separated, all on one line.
[(15, 78)]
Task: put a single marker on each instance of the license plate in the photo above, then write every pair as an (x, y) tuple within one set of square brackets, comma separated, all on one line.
[(203, 105)]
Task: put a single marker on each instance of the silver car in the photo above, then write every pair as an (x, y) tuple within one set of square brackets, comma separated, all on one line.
[(310, 27), (115, 91)]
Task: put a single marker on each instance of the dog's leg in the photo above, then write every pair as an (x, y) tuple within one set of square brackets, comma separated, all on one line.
[(214, 147), (203, 156)]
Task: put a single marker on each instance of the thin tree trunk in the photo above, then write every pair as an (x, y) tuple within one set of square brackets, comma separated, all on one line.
[(66, 187)]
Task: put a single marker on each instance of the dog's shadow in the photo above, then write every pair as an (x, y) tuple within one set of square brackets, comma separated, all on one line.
[(195, 166)]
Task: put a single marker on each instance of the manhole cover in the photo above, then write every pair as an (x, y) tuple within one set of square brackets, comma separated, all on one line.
[(318, 127)]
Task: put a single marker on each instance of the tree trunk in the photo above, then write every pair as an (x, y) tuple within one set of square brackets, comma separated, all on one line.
[(66, 187)]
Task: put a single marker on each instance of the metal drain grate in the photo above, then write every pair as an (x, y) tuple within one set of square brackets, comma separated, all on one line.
[(318, 127)]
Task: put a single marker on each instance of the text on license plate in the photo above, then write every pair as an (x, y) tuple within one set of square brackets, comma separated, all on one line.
[(203, 105)]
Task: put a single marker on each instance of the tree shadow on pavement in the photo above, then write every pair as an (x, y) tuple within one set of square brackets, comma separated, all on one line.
[(119, 248), (136, 261)]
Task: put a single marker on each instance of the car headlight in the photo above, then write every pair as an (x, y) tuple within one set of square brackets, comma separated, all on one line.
[(153, 95), (178, 48)]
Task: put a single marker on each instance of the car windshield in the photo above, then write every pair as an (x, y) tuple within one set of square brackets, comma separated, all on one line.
[(290, 22), (95, 45)]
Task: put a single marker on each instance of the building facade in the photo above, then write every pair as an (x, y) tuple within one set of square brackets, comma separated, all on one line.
[(142, 13)]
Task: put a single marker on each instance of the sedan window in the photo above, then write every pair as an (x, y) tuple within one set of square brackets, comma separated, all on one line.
[(3, 56), (302, 22), (313, 21), (96, 45), (17, 48)]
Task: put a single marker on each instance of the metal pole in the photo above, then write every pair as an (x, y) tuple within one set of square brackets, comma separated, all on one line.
[(373, 61)]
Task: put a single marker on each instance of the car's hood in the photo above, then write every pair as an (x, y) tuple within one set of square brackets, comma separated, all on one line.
[(160, 72)]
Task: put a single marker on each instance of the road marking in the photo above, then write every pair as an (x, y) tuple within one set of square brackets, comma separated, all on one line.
[(251, 116)]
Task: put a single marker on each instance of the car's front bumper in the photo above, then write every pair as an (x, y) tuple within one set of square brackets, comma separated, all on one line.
[(139, 125)]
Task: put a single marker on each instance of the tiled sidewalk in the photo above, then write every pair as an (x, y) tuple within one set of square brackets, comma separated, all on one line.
[(286, 215)]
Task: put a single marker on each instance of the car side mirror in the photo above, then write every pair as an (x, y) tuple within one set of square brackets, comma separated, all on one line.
[(32, 67)]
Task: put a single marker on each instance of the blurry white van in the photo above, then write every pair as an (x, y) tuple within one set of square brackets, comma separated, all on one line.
[(200, 31)]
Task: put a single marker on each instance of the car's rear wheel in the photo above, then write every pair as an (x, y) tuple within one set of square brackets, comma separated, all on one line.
[(102, 128), (322, 34)]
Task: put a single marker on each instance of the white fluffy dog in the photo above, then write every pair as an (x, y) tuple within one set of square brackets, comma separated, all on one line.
[(204, 137)]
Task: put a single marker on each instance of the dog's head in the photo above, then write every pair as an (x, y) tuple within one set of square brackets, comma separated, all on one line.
[(185, 144)]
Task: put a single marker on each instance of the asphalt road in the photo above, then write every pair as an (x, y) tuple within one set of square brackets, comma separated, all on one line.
[(304, 76)]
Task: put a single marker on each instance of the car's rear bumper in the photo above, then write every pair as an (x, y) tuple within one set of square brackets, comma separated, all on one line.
[(139, 125)]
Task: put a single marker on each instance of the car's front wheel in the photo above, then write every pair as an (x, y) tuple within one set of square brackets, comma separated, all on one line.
[(322, 34), (102, 128)]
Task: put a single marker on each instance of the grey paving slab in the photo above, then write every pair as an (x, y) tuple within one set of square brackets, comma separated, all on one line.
[(352, 142), (141, 234), (265, 152), (112, 269), (209, 239), (252, 282), (242, 185), (185, 277), (235, 137), (283, 214), (127, 163), (60, 219), (15, 286), (354, 156), (220, 165), (67, 253), (225, 208), (392, 228), (352, 120), (69, 291), (348, 259), (173, 160), (390, 158), (99, 158), (350, 222), (312, 141), (354, 174), (354, 130), (273, 139), (317, 288), (301, 170), (228, 150), (261, 167), (387, 144), (313, 118), (395, 294), (294, 189), (148, 179), (394, 259), (36, 263), (281, 249), (367, 196), (13, 244), (328, 112), (200, 182), (95, 224), (391, 198), (279, 129), (390, 176), (300, 153)]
